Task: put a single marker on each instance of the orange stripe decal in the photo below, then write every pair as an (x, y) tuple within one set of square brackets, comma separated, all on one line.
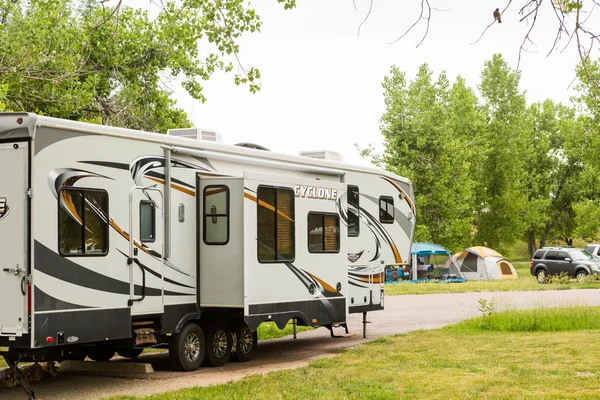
[(267, 206), (325, 285)]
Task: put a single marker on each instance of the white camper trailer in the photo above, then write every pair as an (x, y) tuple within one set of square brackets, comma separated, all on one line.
[(112, 240)]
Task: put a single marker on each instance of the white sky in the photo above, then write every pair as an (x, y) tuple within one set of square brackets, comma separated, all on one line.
[(321, 83)]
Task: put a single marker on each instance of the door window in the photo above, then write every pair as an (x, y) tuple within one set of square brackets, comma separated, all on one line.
[(216, 215)]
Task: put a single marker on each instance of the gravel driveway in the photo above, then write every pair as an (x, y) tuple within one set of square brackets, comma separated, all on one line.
[(402, 314)]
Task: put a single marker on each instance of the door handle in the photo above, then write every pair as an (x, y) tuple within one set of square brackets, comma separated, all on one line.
[(16, 271)]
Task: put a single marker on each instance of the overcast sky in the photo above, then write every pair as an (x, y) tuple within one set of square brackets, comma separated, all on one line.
[(321, 83)]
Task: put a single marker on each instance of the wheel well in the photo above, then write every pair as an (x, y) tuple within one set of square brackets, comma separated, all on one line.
[(581, 268), (540, 267)]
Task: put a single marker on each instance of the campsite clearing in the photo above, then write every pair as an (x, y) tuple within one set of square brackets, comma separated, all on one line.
[(525, 282), (460, 361)]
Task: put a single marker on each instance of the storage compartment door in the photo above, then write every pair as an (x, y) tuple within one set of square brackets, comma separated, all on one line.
[(13, 238)]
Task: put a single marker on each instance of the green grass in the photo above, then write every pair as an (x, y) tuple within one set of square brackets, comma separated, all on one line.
[(572, 318), (526, 282), (268, 330), (554, 360)]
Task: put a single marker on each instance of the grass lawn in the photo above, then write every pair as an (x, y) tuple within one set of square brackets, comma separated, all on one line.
[(526, 281), (533, 354)]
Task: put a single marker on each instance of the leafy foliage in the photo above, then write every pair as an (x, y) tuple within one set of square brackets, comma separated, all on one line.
[(113, 65), (491, 169)]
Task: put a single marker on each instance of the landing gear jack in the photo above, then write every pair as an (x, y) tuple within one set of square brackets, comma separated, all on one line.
[(365, 322), (12, 364), (333, 335)]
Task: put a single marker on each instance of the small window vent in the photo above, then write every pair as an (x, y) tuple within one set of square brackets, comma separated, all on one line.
[(197, 134), (323, 155)]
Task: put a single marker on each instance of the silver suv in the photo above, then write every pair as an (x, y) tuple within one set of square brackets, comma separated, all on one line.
[(578, 263)]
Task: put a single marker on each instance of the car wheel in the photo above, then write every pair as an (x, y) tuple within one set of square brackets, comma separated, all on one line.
[(581, 275), (218, 343), (541, 276), (101, 352), (245, 342), (186, 348)]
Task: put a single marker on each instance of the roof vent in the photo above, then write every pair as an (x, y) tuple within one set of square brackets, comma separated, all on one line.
[(252, 146), (196, 133), (323, 155)]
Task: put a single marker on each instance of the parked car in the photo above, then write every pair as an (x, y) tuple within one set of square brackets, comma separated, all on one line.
[(594, 249), (577, 263)]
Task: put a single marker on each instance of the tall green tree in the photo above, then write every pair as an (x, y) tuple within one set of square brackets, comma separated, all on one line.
[(425, 126), (88, 61), (500, 196)]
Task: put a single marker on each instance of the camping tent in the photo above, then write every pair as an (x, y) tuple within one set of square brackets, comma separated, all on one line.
[(428, 253), (484, 263)]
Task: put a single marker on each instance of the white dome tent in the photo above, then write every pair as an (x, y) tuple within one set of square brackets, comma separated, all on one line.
[(483, 263)]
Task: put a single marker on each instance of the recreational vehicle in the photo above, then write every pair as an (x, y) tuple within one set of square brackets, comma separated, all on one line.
[(113, 240)]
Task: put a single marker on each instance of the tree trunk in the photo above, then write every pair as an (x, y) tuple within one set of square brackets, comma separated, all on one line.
[(531, 248), (568, 241)]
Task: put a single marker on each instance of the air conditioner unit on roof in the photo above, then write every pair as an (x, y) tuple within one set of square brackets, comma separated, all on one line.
[(196, 133)]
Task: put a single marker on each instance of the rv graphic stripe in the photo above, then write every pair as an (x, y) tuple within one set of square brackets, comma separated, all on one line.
[(66, 270), (45, 302), (406, 196), (156, 274)]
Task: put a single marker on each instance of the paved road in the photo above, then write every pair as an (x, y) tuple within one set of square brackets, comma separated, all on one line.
[(402, 314)]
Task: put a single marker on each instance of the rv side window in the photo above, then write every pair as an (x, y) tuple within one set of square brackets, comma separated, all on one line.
[(386, 210), (147, 221), (323, 233), (275, 224), (353, 211), (83, 222), (216, 214)]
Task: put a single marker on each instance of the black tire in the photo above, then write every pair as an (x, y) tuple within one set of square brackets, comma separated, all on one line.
[(541, 276), (76, 354), (187, 348), (218, 343), (581, 275), (129, 352), (245, 343), (102, 352)]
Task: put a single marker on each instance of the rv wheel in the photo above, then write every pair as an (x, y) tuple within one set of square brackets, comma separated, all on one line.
[(129, 352), (187, 348), (218, 343), (101, 352), (77, 354), (245, 343)]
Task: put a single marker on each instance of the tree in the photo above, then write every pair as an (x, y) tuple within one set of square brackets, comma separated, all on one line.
[(113, 65), (424, 126)]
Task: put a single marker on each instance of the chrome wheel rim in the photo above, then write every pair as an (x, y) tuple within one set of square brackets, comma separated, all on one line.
[(541, 276), (245, 341), (220, 343), (581, 277), (192, 347)]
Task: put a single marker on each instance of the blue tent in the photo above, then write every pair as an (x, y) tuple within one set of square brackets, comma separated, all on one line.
[(426, 249), (451, 273)]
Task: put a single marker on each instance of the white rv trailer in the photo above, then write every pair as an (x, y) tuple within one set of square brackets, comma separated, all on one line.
[(114, 239)]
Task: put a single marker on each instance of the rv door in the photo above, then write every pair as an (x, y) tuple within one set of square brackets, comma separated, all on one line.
[(14, 221)]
